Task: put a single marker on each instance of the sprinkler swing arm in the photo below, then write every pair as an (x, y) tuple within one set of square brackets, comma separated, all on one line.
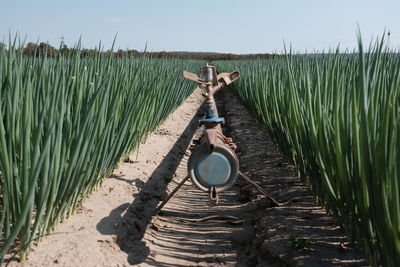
[(213, 165)]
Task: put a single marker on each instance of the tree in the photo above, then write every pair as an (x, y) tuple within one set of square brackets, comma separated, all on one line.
[(64, 50), (121, 53), (30, 49), (46, 49)]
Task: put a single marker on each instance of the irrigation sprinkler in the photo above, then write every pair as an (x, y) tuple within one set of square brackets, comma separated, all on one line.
[(213, 165)]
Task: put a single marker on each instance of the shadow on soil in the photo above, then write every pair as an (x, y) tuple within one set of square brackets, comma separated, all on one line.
[(130, 228)]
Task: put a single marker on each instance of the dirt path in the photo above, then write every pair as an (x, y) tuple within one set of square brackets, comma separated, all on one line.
[(115, 227)]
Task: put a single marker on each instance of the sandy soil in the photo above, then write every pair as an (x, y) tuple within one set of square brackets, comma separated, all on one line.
[(115, 226)]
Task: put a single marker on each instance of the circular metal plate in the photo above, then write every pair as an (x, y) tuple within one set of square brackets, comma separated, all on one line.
[(218, 168)]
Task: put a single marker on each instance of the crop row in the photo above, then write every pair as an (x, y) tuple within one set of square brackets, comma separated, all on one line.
[(65, 122), (337, 117)]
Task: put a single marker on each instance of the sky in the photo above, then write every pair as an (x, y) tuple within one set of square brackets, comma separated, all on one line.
[(225, 26)]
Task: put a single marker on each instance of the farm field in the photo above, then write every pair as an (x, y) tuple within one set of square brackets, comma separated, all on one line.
[(188, 232), (69, 122)]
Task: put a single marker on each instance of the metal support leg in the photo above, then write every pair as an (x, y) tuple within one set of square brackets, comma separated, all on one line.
[(259, 189), (213, 197), (171, 194)]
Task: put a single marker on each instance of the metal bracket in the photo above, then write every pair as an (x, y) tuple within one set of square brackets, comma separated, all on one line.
[(276, 203), (213, 197)]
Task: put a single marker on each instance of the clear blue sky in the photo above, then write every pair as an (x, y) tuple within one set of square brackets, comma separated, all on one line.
[(231, 26)]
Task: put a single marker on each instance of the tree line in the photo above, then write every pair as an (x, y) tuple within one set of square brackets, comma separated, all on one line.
[(36, 49)]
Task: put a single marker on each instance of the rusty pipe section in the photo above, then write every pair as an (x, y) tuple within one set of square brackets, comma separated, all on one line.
[(213, 165)]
